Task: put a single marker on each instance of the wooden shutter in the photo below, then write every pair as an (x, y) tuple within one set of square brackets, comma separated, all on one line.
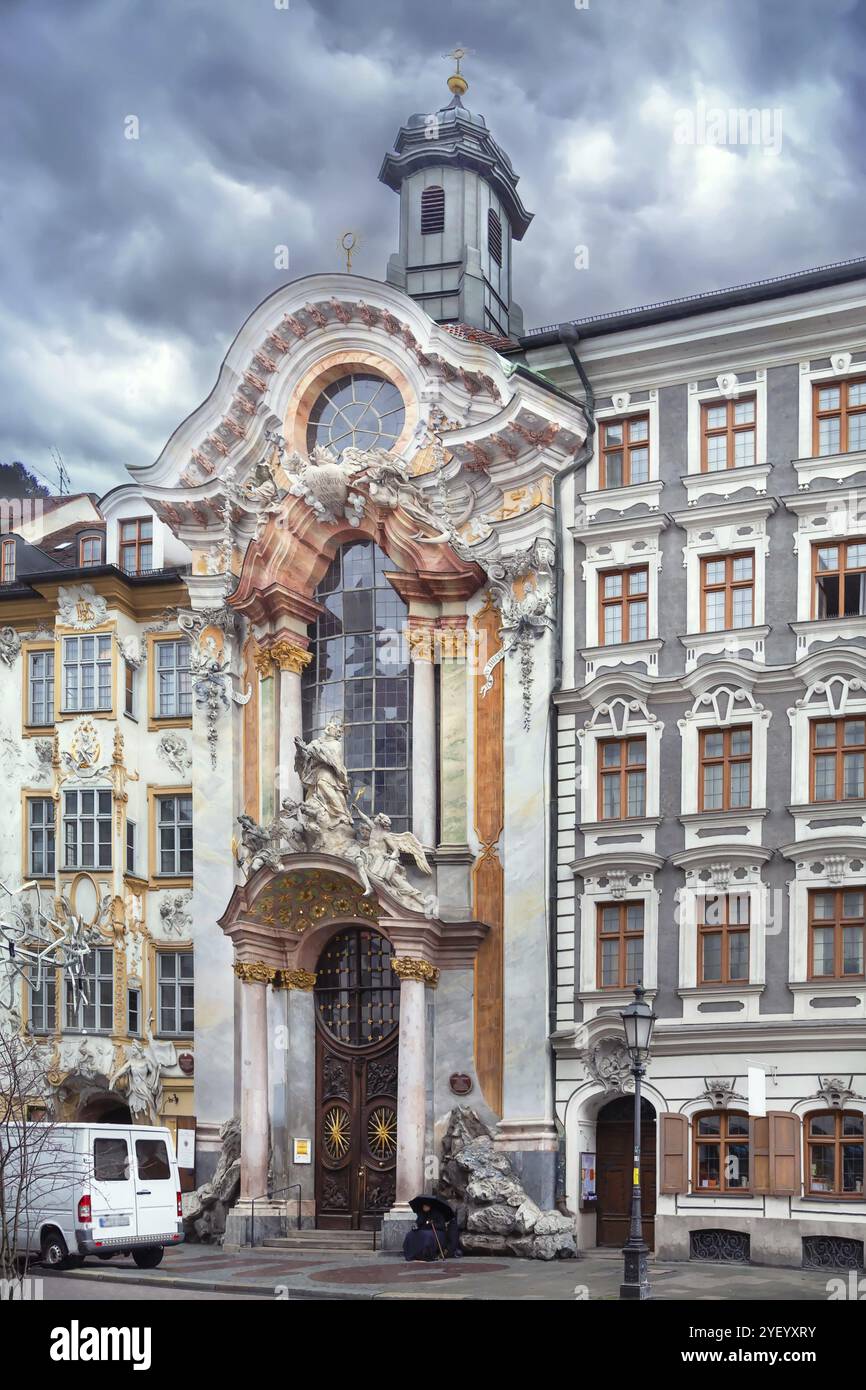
[(759, 1158), (674, 1153), (784, 1153)]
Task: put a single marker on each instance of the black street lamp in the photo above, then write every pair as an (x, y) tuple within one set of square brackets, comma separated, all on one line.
[(637, 1020)]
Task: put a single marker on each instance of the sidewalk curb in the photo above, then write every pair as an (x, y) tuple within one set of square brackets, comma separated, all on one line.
[(167, 1281)]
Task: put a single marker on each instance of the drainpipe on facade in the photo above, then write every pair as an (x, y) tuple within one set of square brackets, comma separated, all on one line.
[(569, 337)]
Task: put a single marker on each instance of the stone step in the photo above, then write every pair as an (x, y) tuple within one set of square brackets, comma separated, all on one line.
[(356, 1241)]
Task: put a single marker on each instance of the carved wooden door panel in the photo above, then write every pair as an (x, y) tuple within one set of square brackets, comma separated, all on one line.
[(614, 1159), (357, 1002)]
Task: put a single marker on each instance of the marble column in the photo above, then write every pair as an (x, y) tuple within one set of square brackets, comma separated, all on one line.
[(291, 658), (414, 975), (300, 1071), (254, 1077), (423, 733)]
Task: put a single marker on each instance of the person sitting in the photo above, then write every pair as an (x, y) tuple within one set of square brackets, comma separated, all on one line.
[(435, 1236)]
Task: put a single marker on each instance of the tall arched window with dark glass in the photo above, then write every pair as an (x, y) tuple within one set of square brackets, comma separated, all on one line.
[(361, 673)]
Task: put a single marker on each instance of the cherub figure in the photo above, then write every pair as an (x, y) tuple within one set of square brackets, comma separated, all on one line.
[(384, 848)]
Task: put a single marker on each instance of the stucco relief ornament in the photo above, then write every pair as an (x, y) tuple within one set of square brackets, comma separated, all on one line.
[(526, 618), (212, 688), (80, 606), (82, 756), (175, 916), (10, 645), (131, 651), (608, 1064), (172, 748)]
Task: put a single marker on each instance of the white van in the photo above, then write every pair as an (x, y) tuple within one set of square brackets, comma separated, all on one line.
[(93, 1189)]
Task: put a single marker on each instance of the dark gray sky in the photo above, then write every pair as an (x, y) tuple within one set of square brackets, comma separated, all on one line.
[(129, 265)]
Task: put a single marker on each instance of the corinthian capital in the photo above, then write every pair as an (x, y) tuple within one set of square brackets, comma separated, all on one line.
[(410, 968)]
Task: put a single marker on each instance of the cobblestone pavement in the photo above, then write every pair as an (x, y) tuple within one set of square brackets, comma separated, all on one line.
[(277, 1274)]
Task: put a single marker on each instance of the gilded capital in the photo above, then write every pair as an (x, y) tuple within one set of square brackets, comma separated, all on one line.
[(420, 641), (254, 972), (289, 656), (295, 979), (263, 662), (410, 968)]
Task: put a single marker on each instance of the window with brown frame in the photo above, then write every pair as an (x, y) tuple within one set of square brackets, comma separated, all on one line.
[(7, 572), (834, 1153), (136, 545), (727, 591), (836, 934), (839, 579), (721, 1161), (625, 452), (725, 769), (838, 417), (723, 939), (619, 962), (837, 754), (623, 609), (727, 434), (89, 550), (622, 778)]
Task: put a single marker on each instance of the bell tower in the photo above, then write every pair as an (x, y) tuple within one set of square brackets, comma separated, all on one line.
[(460, 212)]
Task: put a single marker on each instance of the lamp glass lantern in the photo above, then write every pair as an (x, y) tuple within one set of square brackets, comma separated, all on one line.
[(638, 1021)]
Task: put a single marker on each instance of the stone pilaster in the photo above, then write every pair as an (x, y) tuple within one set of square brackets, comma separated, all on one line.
[(414, 975)]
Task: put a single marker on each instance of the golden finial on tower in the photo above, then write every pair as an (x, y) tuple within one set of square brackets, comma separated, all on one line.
[(457, 83), (348, 243)]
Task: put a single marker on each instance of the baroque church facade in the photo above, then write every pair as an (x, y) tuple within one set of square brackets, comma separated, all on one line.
[(357, 731)]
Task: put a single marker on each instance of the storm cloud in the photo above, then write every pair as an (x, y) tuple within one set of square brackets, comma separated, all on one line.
[(130, 264)]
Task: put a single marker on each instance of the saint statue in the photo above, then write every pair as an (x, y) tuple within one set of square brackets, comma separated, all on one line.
[(320, 766)]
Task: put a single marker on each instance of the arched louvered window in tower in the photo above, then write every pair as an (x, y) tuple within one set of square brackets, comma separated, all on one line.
[(494, 236), (432, 210)]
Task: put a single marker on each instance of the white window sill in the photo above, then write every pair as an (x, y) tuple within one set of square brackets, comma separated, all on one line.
[(836, 467), (725, 482)]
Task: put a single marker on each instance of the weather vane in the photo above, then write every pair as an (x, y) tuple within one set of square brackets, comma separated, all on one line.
[(457, 82), (349, 242)]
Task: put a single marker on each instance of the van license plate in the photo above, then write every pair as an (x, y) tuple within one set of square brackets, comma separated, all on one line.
[(113, 1221)]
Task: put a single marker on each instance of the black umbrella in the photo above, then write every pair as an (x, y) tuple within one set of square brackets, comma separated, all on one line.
[(436, 1205)]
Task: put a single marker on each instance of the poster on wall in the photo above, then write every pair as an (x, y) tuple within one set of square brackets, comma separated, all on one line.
[(587, 1180)]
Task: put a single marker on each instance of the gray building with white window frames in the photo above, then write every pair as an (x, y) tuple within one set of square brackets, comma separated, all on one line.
[(711, 728)]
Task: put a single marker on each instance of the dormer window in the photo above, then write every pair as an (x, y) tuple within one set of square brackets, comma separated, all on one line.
[(432, 210), (494, 236), (7, 566), (90, 550), (136, 545)]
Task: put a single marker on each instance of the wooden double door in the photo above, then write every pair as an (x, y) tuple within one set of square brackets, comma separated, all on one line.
[(614, 1165), (356, 1082)]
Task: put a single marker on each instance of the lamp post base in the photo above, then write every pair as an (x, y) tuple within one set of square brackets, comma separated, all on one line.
[(636, 1284)]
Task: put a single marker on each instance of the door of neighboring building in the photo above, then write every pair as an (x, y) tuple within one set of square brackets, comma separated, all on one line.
[(357, 1016), (615, 1148)]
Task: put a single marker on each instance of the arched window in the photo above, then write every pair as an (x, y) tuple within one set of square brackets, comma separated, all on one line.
[(361, 673), (359, 411), (721, 1162), (834, 1153), (432, 210), (494, 236), (357, 996)]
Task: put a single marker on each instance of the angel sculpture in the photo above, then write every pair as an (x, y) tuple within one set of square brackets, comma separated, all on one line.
[(256, 847), (143, 1069), (382, 858)]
